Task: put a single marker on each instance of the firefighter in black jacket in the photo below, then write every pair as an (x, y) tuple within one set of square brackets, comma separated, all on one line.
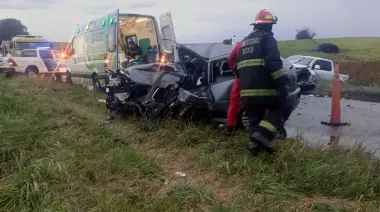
[(263, 82)]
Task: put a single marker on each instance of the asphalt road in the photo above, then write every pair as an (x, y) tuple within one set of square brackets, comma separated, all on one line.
[(364, 119)]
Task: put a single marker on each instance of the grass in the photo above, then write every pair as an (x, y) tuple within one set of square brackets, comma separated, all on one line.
[(352, 49), (54, 156)]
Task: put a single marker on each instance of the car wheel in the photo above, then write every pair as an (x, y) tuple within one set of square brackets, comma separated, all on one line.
[(31, 72), (95, 83), (67, 78)]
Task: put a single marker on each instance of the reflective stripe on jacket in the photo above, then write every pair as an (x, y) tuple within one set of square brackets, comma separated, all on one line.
[(259, 65)]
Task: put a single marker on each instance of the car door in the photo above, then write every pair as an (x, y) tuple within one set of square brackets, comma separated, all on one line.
[(47, 58), (28, 57), (221, 80), (113, 40), (168, 37), (323, 69)]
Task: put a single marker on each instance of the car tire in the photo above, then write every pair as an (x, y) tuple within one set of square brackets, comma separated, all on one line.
[(31, 72), (95, 83), (8, 74), (68, 78)]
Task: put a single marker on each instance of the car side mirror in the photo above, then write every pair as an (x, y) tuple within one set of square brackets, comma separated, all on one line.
[(317, 67)]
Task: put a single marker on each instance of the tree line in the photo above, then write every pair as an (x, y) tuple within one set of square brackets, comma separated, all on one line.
[(301, 34), (10, 27)]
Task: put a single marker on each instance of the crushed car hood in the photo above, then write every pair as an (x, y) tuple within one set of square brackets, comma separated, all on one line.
[(299, 66), (149, 73)]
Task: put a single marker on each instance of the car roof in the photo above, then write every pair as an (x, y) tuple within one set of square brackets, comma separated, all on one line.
[(210, 50), (308, 57), (213, 50)]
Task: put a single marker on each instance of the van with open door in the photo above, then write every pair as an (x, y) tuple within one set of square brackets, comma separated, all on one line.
[(111, 40)]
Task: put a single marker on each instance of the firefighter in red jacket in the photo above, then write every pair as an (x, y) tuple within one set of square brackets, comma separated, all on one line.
[(235, 105), (263, 82)]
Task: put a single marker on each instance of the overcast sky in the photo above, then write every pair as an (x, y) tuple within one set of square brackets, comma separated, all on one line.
[(204, 20)]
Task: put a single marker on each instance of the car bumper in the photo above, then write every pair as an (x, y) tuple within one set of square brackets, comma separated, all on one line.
[(307, 86), (7, 70)]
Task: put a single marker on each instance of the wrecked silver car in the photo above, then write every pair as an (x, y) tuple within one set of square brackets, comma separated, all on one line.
[(196, 87)]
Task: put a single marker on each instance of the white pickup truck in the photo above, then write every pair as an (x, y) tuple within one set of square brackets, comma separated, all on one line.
[(324, 69), (32, 62)]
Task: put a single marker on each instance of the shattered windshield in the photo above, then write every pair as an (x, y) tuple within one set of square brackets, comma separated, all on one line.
[(188, 60), (304, 61)]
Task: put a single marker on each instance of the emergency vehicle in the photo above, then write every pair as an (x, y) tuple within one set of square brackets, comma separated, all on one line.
[(103, 43), (32, 62), (18, 43)]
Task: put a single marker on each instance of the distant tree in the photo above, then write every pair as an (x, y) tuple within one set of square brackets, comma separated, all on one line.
[(10, 27), (304, 33), (228, 41)]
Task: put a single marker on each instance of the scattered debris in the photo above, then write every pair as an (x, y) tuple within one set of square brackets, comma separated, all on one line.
[(180, 174)]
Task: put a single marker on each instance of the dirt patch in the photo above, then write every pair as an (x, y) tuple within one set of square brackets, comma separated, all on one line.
[(181, 168), (307, 203), (358, 95), (362, 73)]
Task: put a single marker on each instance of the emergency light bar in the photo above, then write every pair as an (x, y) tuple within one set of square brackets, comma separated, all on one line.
[(29, 36)]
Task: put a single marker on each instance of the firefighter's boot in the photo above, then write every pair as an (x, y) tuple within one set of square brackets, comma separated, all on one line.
[(254, 148), (262, 141), (282, 134)]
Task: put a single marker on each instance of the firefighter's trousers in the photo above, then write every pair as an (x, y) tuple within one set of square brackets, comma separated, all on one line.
[(267, 124)]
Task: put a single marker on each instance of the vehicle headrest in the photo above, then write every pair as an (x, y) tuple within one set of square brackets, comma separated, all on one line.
[(225, 66)]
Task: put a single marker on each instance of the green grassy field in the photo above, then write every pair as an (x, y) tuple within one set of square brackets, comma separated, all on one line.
[(55, 156), (352, 49)]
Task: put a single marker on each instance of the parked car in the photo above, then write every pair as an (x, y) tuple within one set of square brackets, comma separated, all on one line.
[(31, 62), (324, 68), (195, 86)]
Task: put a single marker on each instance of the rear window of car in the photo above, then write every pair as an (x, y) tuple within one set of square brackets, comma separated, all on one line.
[(46, 54), (29, 53)]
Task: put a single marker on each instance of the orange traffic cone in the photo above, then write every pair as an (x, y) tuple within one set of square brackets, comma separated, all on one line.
[(335, 119)]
